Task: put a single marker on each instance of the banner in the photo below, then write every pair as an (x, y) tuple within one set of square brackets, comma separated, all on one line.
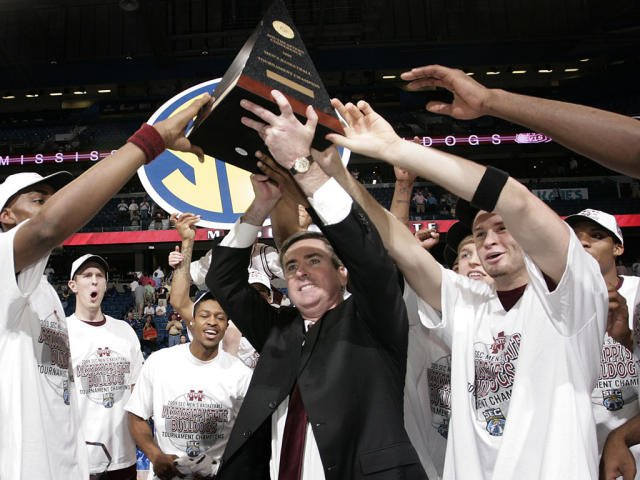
[(552, 194), (204, 234)]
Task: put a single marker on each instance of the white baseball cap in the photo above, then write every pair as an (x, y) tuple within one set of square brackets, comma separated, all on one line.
[(605, 220), (79, 262), (19, 181)]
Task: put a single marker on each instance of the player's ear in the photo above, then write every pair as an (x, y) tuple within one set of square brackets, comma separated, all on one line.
[(344, 275), (7, 218), (618, 249), (73, 286)]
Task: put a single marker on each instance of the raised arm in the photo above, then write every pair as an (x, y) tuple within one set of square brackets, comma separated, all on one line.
[(400, 203), (350, 233), (286, 136), (401, 200), (417, 265), (181, 281), (289, 215), (228, 276), (608, 138), (74, 205), (538, 230)]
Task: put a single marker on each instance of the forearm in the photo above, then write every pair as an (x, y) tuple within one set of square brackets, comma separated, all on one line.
[(258, 212), (143, 436), (543, 235), (75, 204), (284, 220), (456, 174), (418, 266), (228, 281), (378, 215), (628, 432), (232, 339), (85, 196), (401, 200), (181, 281), (606, 137), (379, 303), (312, 180)]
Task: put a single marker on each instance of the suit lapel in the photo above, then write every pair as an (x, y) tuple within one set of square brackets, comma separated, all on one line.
[(262, 399), (310, 340), (321, 329)]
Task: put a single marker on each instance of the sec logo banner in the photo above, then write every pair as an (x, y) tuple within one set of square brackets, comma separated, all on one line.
[(220, 193)]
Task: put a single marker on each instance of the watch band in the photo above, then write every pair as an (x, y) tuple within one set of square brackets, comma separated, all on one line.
[(301, 165)]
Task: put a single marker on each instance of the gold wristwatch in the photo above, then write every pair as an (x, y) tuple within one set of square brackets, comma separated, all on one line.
[(301, 165)]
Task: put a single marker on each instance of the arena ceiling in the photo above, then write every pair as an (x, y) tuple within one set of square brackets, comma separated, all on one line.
[(158, 46)]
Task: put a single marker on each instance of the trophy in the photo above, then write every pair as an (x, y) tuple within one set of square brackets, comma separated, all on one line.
[(274, 57)]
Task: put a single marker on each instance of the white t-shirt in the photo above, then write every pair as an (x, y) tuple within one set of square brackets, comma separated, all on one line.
[(427, 388), (247, 354), (38, 415), (194, 404), (544, 428), (615, 398), (106, 362)]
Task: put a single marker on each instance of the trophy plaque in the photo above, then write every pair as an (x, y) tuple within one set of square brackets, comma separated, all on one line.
[(274, 57)]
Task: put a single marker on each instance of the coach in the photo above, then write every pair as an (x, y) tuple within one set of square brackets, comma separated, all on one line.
[(331, 373)]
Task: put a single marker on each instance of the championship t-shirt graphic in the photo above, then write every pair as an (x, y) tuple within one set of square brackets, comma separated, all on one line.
[(103, 376), (618, 381), (495, 368), (54, 341), (194, 421), (439, 384)]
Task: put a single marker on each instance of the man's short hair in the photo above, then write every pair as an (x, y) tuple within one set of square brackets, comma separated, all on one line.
[(456, 233), (306, 235)]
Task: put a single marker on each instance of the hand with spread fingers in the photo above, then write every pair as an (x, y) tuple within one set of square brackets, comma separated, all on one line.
[(469, 97), (285, 136), (366, 132), (172, 129)]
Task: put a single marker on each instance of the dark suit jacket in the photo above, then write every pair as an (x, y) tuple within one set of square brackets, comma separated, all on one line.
[(350, 370)]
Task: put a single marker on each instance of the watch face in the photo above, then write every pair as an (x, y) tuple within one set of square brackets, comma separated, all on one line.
[(302, 164)]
